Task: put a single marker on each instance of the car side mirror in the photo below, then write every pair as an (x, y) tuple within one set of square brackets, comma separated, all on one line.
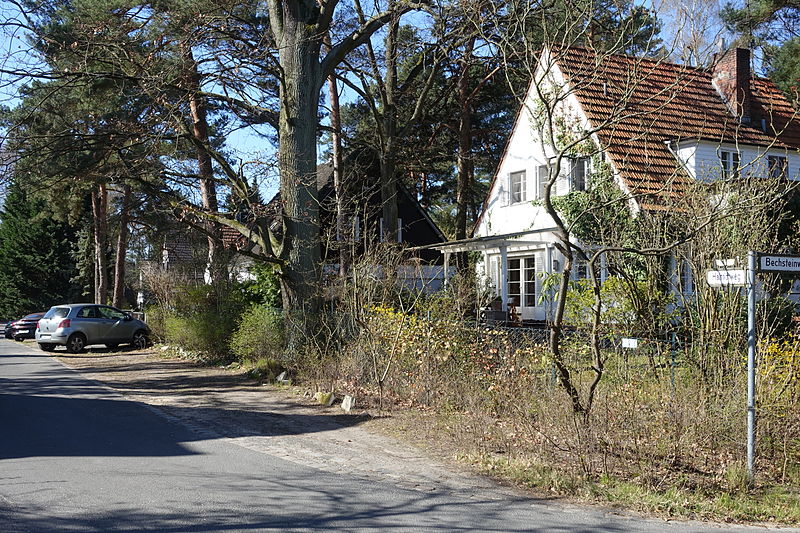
[(127, 318)]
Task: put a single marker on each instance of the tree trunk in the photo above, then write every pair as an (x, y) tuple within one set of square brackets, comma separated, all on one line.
[(557, 329), (118, 299), (345, 231), (557, 326), (464, 164), (389, 155), (297, 158), (100, 214), (208, 188)]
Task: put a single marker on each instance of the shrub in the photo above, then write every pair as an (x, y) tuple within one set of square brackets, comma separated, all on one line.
[(259, 335), (266, 369), (202, 319)]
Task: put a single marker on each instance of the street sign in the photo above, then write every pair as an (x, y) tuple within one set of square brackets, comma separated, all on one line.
[(778, 263), (726, 278)]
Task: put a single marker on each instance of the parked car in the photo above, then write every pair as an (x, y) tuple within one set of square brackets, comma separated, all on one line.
[(77, 326), (9, 325), (25, 327)]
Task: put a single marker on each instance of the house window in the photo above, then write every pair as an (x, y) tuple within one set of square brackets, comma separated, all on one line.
[(543, 178), (350, 233), (514, 279), (517, 187), (530, 281), (730, 164), (778, 166), (686, 278), (579, 173), (580, 270), (522, 281), (399, 230)]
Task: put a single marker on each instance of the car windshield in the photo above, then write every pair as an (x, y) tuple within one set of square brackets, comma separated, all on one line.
[(57, 312)]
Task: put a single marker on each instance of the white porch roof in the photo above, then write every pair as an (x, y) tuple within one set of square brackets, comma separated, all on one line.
[(518, 238)]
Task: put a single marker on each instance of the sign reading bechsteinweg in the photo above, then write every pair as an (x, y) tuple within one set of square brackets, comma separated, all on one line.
[(778, 263)]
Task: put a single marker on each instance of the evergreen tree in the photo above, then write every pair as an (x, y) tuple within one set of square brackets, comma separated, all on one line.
[(36, 265), (771, 25)]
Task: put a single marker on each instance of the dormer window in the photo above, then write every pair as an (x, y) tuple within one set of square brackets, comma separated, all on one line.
[(517, 187), (579, 173), (777, 166), (729, 161)]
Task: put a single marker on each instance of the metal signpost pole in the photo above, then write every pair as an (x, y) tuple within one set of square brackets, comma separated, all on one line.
[(751, 363)]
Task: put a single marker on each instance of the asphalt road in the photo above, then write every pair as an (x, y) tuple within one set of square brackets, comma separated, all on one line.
[(77, 456)]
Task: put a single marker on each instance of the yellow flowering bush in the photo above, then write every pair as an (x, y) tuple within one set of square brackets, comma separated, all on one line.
[(779, 372), (437, 360)]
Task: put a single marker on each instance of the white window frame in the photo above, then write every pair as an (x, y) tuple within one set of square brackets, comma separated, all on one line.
[(519, 195), (399, 230), (777, 166), (542, 177), (579, 173), (729, 161), (580, 269), (524, 290)]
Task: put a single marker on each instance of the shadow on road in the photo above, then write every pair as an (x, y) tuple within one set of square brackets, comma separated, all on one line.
[(45, 425), (52, 411), (316, 501)]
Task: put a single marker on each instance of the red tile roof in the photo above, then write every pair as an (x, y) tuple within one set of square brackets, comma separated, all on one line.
[(640, 104), (232, 239)]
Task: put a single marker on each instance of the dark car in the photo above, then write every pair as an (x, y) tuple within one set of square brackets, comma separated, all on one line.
[(9, 326), (25, 327)]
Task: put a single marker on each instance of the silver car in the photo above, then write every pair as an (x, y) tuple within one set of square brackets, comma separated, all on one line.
[(79, 325)]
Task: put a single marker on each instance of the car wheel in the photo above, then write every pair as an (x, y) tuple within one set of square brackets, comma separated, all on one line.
[(140, 340), (18, 339), (47, 347), (76, 343)]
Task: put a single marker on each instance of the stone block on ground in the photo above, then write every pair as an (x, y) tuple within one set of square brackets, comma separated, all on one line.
[(348, 403), (324, 398)]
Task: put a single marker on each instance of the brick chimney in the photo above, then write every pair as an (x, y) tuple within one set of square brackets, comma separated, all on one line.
[(731, 78)]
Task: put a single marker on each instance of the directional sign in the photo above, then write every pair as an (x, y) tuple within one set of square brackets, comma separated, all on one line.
[(779, 263), (726, 278)]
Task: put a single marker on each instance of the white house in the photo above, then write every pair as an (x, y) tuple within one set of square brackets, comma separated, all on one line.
[(655, 124)]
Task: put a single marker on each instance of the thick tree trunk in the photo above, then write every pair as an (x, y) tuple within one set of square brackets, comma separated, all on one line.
[(464, 164), (389, 156), (297, 158), (208, 187), (118, 299), (100, 219)]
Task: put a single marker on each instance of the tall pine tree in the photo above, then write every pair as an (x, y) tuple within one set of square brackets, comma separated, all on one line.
[(36, 267)]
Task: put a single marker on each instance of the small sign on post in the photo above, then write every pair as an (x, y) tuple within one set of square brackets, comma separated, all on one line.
[(726, 278)]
